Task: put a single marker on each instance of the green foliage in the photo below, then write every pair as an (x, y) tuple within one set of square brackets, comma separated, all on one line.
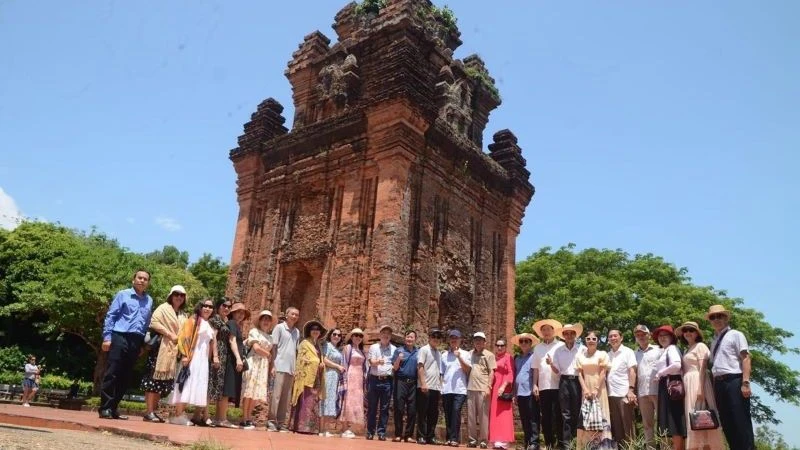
[(446, 17), (11, 359), (170, 256), (769, 439), (370, 6), (47, 381), (212, 273), (607, 289), (483, 78)]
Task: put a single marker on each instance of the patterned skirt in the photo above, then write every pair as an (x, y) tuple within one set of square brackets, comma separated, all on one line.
[(161, 387), (306, 413)]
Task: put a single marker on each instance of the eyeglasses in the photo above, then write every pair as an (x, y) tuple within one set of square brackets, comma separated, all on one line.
[(525, 341), (227, 305), (716, 316), (591, 339), (208, 306)]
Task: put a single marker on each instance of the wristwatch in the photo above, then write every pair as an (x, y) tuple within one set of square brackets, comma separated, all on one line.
[(746, 382)]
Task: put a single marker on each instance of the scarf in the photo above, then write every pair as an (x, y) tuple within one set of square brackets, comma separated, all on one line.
[(164, 317), (188, 337), (307, 372)]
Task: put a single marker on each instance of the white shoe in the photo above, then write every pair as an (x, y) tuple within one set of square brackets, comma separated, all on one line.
[(348, 434), (26, 404), (328, 434)]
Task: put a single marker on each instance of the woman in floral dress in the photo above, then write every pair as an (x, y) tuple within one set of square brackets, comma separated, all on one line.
[(592, 368), (334, 367), (309, 382), (216, 376), (355, 364), (255, 382)]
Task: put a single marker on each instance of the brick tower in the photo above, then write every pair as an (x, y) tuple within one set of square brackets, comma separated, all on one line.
[(380, 206)]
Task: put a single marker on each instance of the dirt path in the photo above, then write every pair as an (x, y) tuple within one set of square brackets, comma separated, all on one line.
[(13, 437)]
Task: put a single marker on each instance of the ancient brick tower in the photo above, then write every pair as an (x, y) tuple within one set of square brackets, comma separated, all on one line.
[(380, 205)]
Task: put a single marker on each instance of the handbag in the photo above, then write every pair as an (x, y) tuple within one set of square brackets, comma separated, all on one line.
[(592, 415), (183, 375), (703, 419), (506, 396), (675, 389)]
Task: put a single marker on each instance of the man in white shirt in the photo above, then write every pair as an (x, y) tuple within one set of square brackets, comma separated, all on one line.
[(730, 367), (379, 383), (285, 337), (621, 383), (479, 391), (429, 387), (570, 395), (646, 381), (545, 382), (455, 370)]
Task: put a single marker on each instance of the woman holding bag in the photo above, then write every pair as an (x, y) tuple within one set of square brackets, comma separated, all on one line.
[(592, 368), (671, 413), (354, 378), (195, 343), (166, 323), (501, 412), (697, 384)]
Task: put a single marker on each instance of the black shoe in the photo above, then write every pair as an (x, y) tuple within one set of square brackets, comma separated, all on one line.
[(421, 441), (117, 416), (151, 417), (370, 436), (105, 414), (472, 443), (160, 419), (381, 437), (435, 441)]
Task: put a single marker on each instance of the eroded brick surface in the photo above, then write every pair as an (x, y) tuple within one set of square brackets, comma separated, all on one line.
[(381, 206)]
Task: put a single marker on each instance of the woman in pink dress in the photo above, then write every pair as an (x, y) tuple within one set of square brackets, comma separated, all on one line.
[(501, 414), (353, 382), (697, 387)]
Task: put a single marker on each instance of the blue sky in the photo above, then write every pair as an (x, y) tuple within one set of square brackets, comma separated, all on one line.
[(670, 128)]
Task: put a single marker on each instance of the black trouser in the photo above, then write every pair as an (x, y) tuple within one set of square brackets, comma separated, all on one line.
[(551, 416), (428, 413), (125, 348), (734, 412), (529, 416), (405, 401), (452, 405), (379, 391), (570, 396)]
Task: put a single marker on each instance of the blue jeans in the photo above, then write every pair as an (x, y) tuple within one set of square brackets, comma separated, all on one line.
[(378, 391)]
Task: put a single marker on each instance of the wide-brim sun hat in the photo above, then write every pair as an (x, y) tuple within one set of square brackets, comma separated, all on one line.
[(690, 325), (515, 340), (311, 323), (265, 312), (576, 327), (239, 306), (352, 332), (537, 327)]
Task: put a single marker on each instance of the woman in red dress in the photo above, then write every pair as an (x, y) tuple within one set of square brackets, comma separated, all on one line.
[(501, 414)]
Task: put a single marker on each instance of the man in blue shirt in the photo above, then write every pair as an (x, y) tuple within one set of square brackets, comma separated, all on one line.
[(523, 390), (126, 323), (404, 363)]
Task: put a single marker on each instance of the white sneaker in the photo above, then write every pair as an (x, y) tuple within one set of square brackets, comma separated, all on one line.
[(181, 420), (328, 434), (348, 434), (27, 405)]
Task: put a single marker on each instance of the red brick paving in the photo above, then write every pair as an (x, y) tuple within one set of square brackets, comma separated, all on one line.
[(181, 435)]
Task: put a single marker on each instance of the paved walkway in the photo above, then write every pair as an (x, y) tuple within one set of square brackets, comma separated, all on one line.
[(181, 435)]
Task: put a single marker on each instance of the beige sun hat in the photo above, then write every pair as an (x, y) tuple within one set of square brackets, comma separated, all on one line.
[(717, 309), (576, 327), (263, 313), (515, 340), (352, 332), (691, 325), (239, 306), (537, 327)]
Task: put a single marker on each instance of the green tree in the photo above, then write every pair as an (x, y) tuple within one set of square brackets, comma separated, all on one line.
[(769, 439), (212, 272), (65, 280), (170, 256), (607, 289)]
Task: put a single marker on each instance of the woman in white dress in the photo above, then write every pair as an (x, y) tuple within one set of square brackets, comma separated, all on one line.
[(195, 342)]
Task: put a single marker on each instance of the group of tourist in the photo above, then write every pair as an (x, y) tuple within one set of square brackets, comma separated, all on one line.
[(333, 385)]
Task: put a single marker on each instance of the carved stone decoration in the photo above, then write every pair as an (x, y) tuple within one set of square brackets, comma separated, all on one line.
[(339, 82), (454, 98)]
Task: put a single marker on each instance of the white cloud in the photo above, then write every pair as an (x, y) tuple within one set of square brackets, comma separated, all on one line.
[(168, 223), (10, 215)]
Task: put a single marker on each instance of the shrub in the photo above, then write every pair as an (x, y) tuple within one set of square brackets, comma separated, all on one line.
[(48, 381), (12, 359), (370, 6)]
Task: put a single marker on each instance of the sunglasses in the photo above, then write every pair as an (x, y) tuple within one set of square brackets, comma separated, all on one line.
[(591, 339), (208, 306), (499, 345), (716, 316), (227, 305), (336, 334), (358, 336), (525, 341), (689, 330)]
